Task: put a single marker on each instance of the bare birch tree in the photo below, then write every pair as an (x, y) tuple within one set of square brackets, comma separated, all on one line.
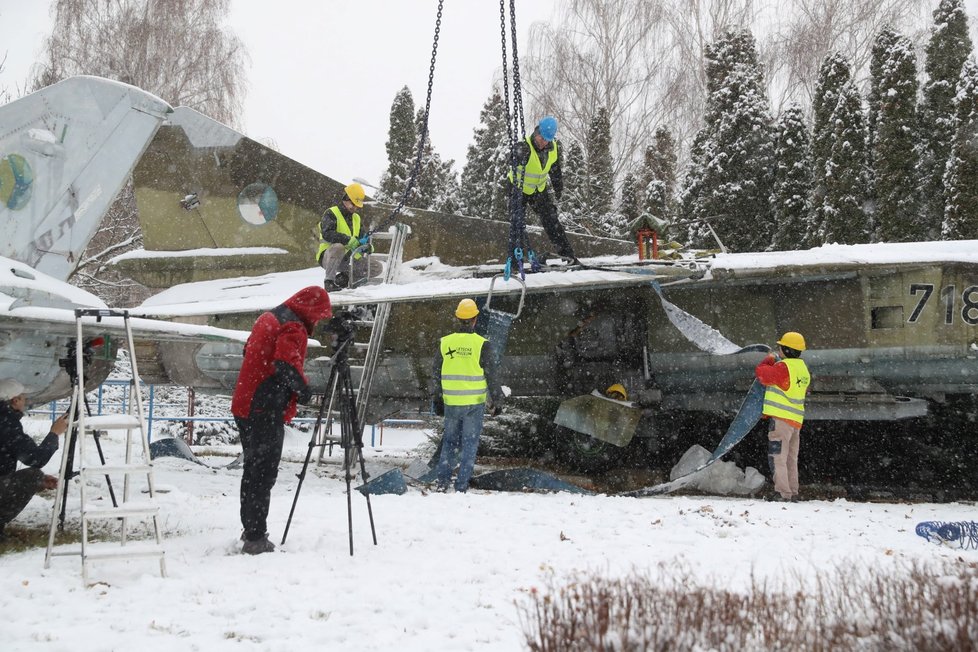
[(177, 49), (816, 28), (644, 59), (641, 60), (4, 93), (181, 51), (601, 55)]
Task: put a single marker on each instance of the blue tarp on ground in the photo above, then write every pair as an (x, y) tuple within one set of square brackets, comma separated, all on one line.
[(523, 480), (389, 482), (172, 447)]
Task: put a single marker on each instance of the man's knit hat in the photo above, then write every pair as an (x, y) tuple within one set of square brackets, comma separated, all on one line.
[(10, 388)]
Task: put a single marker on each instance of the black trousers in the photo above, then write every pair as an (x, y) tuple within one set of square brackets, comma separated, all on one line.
[(544, 207), (16, 490), (261, 442)]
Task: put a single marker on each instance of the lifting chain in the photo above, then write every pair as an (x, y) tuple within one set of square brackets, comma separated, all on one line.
[(516, 132)]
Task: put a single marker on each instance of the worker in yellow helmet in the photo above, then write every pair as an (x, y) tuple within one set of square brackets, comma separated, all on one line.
[(465, 387), (342, 237), (787, 381), (537, 161), (616, 392)]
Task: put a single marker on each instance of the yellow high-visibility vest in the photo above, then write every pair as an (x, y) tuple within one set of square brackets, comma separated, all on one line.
[(463, 381), (342, 226), (789, 404), (535, 173)]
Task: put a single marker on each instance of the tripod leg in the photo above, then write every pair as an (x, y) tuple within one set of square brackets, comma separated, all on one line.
[(349, 501), (363, 471), (68, 474), (354, 441), (101, 455), (305, 465)]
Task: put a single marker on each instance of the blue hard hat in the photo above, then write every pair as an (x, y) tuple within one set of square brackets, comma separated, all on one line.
[(548, 127)]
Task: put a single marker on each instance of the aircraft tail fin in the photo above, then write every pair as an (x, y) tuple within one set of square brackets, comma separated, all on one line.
[(60, 169)]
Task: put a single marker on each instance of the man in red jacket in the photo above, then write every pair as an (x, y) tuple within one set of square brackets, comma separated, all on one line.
[(270, 383), (787, 382)]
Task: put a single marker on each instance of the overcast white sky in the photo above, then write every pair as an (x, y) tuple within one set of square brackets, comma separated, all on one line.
[(324, 72)]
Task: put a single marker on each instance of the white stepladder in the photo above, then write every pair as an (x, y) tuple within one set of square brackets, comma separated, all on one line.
[(80, 426)]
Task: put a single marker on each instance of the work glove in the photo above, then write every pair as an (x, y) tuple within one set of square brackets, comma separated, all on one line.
[(493, 408), (304, 395), (352, 243), (439, 407)]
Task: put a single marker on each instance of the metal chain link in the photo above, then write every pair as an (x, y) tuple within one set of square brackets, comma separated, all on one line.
[(519, 125), (423, 133), (514, 128)]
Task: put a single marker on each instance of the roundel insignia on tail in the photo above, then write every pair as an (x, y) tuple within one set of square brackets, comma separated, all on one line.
[(258, 203), (16, 181)]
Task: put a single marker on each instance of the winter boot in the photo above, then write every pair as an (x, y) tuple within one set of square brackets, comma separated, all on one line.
[(258, 546)]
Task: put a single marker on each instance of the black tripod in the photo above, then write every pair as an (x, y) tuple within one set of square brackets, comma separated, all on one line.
[(340, 386), (68, 364)]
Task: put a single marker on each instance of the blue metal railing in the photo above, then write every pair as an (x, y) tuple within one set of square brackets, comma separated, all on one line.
[(59, 407)]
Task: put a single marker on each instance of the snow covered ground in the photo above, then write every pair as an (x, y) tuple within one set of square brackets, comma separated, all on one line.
[(448, 571)]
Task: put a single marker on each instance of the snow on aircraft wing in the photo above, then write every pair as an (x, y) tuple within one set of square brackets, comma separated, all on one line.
[(31, 301), (258, 293)]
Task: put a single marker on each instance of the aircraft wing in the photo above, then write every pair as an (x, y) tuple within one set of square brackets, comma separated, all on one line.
[(38, 329), (259, 293)]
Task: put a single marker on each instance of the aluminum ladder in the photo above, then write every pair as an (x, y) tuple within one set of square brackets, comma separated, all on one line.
[(135, 464), (368, 342)]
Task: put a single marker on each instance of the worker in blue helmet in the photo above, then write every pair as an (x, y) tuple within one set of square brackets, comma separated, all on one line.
[(537, 161)]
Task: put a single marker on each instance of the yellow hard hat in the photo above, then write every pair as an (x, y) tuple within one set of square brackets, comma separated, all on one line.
[(466, 309), (356, 194), (793, 340), (617, 387)]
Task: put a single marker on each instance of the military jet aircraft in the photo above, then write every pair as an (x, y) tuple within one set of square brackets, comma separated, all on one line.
[(230, 224)]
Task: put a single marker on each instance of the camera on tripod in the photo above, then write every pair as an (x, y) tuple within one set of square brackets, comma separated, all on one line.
[(88, 352), (340, 328), (343, 325)]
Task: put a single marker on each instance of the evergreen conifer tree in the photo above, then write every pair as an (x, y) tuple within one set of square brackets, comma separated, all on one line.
[(692, 209), (961, 216), (732, 174), (484, 188), (629, 207), (894, 150), (402, 138), (949, 47), (792, 180), (600, 174), (658, 180), (843, 216), (573, 205), (884, 42), (833, 75), (437, 184)]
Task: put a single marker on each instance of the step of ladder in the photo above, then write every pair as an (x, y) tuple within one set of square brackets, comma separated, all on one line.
[(133, 550), (113, 422), (125, 510), (110, 469)]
